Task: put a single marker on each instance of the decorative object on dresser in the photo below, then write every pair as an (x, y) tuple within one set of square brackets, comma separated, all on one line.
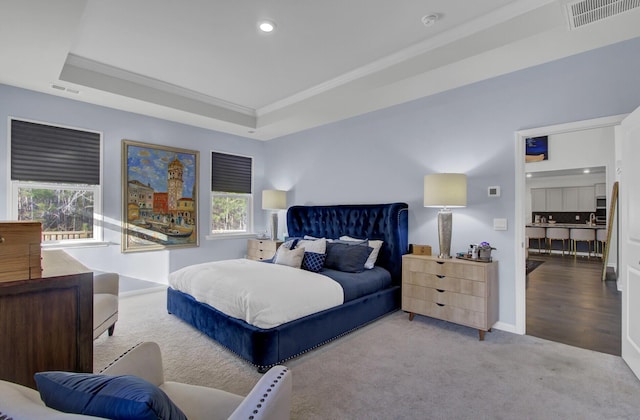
[(420, 249), (445, 191), (20, 250), (262, 249), (459, 291), (274, 200)]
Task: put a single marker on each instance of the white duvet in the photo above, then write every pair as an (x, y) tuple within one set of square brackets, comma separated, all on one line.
[(262, 294)]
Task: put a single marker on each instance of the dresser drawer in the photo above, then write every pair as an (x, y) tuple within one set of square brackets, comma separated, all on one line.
[(259, 249), (20, 250), (446, 312), (449, 283), (446, 268), (459, 300)]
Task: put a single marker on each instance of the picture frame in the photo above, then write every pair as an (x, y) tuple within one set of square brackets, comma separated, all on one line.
[(159, 197), (537, 149)]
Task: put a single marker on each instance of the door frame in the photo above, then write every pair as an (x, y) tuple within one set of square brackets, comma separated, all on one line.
[(520, 207)]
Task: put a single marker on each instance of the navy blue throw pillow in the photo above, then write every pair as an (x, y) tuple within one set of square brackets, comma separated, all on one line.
[(313, 261), (347, 258), (113, 397)]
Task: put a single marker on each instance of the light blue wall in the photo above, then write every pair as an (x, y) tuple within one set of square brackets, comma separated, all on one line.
[(378, 157), (383, 156), (116, 126)]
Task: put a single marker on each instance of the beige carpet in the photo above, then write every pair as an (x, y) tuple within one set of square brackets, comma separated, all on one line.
[(397, 369)]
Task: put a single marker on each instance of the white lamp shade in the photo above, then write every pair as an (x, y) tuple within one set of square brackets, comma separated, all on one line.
[(274, 200), (445, 190)]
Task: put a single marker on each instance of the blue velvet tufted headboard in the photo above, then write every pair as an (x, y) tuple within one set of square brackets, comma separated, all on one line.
[(387, 222)]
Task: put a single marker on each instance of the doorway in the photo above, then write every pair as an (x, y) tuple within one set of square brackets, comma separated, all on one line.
[(521, 197)]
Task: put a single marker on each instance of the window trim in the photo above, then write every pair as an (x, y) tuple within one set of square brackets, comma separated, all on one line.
[(98, 210), (251, 199)]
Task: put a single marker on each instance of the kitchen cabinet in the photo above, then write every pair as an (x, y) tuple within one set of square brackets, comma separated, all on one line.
[(554, 199), (601, 190), (538, 199), (578, 199), (569, 199)]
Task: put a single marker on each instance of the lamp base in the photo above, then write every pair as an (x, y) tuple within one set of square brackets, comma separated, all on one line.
[(444, 232), (274, 226)]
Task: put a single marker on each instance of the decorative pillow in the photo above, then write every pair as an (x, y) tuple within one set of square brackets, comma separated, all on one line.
[(313, 261), (290, 257), (348, 258), (375, 244), (113, 397), (313, 245)]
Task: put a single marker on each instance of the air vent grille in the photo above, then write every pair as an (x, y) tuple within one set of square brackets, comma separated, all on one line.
[(584, 12)]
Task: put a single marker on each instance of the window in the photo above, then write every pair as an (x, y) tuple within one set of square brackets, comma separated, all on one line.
[(55, 180), (231, 194)]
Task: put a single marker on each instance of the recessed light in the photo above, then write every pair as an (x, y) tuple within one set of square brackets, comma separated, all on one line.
[(586, 171), (528, 175), (266, 26), (429, 19)]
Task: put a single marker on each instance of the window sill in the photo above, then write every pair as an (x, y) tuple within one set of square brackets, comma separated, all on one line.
[(230, 236), (68, 245)]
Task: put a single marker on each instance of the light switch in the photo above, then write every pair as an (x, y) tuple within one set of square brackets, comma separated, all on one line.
[(499, 224)]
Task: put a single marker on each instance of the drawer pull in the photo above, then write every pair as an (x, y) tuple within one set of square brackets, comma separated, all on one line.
[(440, 290), (440, 304), (440, 262), (440, 276), (1, 239)]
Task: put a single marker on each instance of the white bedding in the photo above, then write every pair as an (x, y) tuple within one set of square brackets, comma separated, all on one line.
[(262, 294)]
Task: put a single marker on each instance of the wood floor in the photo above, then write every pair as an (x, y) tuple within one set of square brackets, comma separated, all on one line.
[(568, 303)]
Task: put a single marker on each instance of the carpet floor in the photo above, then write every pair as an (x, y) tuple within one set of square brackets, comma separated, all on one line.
[(399, 369)]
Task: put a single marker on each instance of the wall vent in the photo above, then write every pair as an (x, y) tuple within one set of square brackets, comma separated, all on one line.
[(585, 12)]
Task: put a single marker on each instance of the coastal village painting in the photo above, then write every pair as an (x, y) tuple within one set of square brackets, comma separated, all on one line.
[(159, 197)]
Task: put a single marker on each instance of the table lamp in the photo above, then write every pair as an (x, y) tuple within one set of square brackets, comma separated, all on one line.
[(445, 191), (274, 200)]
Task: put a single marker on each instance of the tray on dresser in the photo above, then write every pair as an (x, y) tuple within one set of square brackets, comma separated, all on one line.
[(484, 260)]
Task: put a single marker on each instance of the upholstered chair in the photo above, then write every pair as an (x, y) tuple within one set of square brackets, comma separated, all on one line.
[(105, 303)]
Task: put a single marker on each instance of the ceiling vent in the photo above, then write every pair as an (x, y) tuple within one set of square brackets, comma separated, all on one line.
[(585, 12)]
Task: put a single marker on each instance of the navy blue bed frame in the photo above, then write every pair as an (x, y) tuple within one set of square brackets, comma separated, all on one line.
[(267, 347)]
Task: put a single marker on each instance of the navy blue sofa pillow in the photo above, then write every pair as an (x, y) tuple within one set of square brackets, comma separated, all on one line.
[(347, 258), (113, 397)]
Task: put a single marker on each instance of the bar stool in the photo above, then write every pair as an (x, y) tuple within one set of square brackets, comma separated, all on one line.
[(601, 241), (560, 234), (582, 235), (536, 233)]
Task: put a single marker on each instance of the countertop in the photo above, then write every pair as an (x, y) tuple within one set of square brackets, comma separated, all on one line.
[(567, 225)]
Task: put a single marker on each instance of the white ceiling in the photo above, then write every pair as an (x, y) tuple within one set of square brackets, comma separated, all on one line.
[(203, 62)]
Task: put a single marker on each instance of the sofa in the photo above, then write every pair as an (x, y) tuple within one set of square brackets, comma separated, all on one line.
[(105, 303), (269, 399)]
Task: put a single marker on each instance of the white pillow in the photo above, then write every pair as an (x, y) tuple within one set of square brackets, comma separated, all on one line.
[(319, 246), (375, 244), (290, 257)]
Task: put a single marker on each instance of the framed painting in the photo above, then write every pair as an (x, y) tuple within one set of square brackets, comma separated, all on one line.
[(159, 197), (537, 149)]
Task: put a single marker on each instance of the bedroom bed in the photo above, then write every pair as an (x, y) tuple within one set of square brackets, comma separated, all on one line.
[(268, 346)]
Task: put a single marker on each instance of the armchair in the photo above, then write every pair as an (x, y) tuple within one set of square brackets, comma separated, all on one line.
[(270, 398), (105, 303)]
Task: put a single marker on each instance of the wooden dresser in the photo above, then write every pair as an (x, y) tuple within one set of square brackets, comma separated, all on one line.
[(20, 250), (459, 291), (261, 249), (47, 323)]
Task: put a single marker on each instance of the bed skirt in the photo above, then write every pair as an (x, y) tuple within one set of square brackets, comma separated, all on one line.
[(267, 347)]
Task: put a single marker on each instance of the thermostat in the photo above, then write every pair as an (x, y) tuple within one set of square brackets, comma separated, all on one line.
[(493, 191)]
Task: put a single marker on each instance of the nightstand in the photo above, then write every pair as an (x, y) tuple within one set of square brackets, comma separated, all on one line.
[(459, 291), (262, 249)]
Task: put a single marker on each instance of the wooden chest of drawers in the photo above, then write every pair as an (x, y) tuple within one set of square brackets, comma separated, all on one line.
[(20, 244), (464, 292), (261, 249)]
